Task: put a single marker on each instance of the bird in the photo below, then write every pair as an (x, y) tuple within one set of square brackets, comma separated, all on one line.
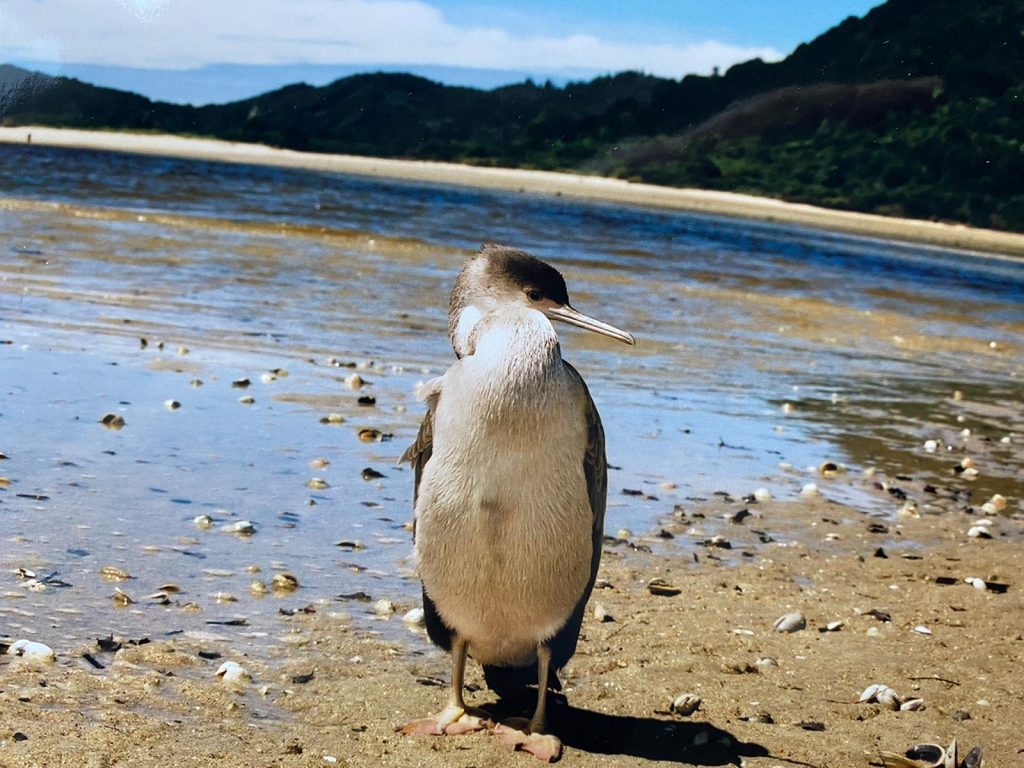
[(510, 492)]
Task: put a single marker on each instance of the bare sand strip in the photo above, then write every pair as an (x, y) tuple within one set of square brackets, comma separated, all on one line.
[(540, 182)]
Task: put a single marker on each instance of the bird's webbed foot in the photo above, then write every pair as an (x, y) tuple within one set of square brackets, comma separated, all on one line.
[(453, 720), (521, 735)]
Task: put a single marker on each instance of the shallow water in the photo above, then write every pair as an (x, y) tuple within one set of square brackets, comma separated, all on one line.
[(758, 345)]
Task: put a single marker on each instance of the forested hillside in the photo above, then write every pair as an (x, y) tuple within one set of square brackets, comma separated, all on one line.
[(915, 109)]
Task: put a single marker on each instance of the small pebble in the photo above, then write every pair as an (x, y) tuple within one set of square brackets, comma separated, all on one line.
[(333, 418), (414, 617), (233, 672), (284, 582), (601, 613), (317, 483), (112, 420), (247, 400), (810, 490), (685, 704), (354, 381), (790, 622), (202, 521), (172, 405), (30, 649), (384, 607), (762, 494), (240, 527)]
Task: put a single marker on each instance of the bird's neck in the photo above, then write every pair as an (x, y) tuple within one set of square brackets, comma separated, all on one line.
[(516, 354)]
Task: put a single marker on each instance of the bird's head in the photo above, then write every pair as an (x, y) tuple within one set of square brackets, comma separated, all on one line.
[(498, 276)]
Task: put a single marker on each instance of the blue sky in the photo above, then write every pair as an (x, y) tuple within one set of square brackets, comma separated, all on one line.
[(216, 50)]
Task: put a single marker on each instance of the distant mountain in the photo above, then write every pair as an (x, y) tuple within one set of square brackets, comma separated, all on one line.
[(217, 83), (915, 109)]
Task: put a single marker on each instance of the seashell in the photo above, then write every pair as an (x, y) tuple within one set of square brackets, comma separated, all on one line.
[(30, 649), (113, 573), (415, 617), (685, 704), (240, 383), (317, 483), (931, 446), (319, 463), (122, 598), (202, 521), (370, 435), (790, 622), (172, 405), (170, 588), (979, 532), (247, 399), (766, 661), (931, 753), (258, 587), (284, 582), (921, 629), (5, 482), (24, 573), (834, 626), (233, 672), (887, 697), (973, 759), (354, 381), (977, 583), (830, 469), (240, 527), (761, 494), (332, 418), (384, 607), (223, 597), (998, 501), (912, 705), (158, 597), (350, 544), (601, 613), (870, 693), (658, 586), (112, 420)]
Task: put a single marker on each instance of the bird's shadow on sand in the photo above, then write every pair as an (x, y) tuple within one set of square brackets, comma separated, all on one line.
[(650, 738)]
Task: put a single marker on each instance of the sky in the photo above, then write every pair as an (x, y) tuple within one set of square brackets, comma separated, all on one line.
[(253, 44)]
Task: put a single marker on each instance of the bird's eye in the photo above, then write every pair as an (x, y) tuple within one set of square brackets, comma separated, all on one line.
[(534, 295)]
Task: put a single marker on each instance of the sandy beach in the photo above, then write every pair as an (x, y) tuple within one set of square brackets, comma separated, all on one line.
[(784, 440), (537, 182)]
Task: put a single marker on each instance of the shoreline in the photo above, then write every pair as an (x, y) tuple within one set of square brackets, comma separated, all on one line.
[(558, 184)]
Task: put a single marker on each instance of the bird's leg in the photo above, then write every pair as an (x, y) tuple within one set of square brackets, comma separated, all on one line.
[(456, 718), (528, 735)]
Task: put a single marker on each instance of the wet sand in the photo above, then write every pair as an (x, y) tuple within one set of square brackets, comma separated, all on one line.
[(332, 695), (330, 681), (540, 182)]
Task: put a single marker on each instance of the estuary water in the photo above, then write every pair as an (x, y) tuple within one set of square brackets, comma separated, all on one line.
[(154, 289)]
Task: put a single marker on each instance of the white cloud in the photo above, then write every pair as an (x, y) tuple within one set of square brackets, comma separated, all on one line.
[(181, 34)]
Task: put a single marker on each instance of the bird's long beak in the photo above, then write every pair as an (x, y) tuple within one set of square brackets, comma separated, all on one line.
[(567, 314)]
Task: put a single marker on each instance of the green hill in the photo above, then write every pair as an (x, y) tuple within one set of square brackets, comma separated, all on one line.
[(915, 109)]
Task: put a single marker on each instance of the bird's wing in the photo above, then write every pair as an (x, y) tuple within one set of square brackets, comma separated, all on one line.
[(419, 453), (595, 470)]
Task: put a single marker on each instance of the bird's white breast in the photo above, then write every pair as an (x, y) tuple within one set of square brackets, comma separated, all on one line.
[(503, 537)]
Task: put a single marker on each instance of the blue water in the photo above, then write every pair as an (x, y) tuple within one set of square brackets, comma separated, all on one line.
[(253, 268)]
